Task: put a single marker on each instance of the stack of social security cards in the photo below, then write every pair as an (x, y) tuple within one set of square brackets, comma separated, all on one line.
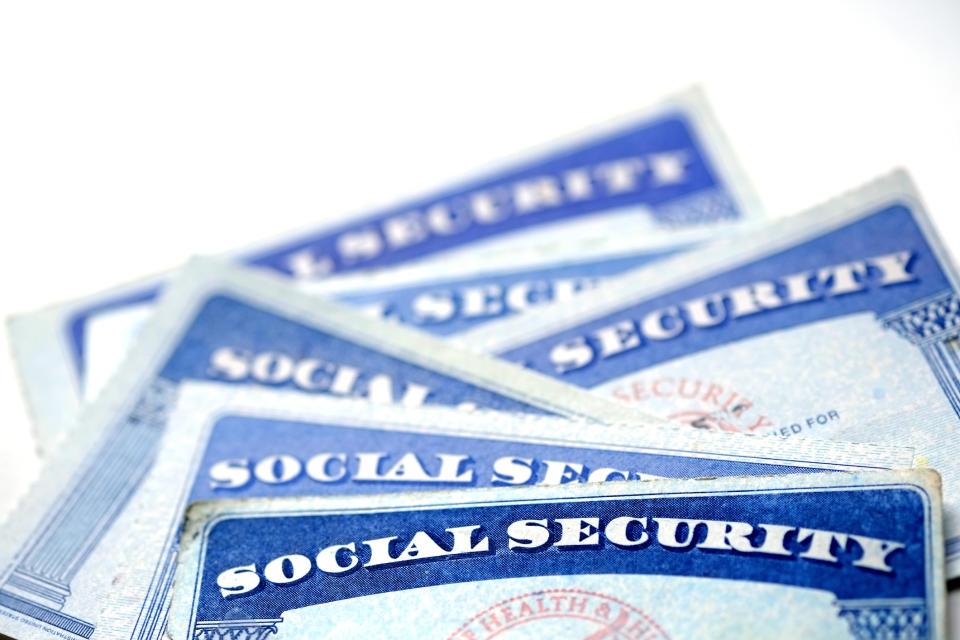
[(590, 393)]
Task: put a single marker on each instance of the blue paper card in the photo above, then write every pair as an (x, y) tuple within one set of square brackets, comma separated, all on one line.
[(841, 322), (229, 324), (809, 555)]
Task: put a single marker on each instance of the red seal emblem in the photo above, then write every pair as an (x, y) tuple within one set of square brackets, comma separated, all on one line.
[(576, 613)]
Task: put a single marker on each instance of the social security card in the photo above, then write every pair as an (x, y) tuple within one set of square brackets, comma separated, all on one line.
[(664, 169), (833, 555), (841, 322), (225, 442), (226, 323)]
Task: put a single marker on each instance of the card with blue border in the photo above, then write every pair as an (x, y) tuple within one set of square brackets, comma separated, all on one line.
[(829, 555), (841, 322)]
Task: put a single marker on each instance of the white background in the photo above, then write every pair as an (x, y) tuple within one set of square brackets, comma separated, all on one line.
[(133, 135)]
